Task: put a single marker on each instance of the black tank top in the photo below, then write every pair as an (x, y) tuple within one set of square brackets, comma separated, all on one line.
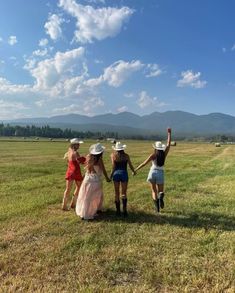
[(121, 165)]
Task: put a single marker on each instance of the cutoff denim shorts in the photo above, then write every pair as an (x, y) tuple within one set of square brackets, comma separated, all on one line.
[(156, 176), (120, 176)]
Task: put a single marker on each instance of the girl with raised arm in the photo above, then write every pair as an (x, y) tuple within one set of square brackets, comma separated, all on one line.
[(156, 173)]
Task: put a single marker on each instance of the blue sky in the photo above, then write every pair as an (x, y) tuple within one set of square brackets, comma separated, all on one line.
[(102, 56)]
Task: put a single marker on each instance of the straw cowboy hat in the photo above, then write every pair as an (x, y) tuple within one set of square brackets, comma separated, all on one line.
[(119, 146), (75, 141), (159, 146), (96, 149)]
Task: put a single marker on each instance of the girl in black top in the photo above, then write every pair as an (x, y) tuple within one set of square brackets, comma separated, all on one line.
[(119, 174)]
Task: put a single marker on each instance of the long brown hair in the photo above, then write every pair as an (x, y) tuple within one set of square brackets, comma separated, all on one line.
[(92, 160), (120, 156), (159, 156)]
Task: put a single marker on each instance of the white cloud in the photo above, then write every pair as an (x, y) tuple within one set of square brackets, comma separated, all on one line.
[(30, 63), (120, 71), (40, 53), (12, 40), (43, 42), (86, 106), (96, 24), (50, 71), (8, 88), (1, 40), (116, 74), (154, 70), (191, 79), (122, 109), (11, 109), (52, 26), (145, 100), (224, 50), (233, 47)]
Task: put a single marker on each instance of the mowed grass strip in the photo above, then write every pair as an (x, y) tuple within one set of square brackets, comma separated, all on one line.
[(189, 247)]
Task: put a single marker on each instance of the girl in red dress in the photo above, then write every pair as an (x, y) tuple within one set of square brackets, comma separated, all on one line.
[(73, 172)]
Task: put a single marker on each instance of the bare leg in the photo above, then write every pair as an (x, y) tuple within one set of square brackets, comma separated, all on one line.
[(154, 190), (75, 195), (69, 184)]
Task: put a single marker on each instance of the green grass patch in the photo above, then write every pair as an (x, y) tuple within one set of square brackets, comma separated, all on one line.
[(188, 247)]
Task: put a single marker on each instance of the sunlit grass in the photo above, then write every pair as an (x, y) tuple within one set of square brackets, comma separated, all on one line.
[(189, 247)]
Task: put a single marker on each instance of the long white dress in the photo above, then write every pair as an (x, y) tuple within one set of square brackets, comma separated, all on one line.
[(90, 197)]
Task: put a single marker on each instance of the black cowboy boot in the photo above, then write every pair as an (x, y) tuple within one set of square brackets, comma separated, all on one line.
[(157, 204), (118, 211), (161, 197), (124, 203)]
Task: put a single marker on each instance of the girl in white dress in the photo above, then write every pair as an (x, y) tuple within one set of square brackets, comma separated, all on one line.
[(90, 197)]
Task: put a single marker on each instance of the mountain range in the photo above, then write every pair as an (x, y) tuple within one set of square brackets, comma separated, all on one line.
[(182, 123)]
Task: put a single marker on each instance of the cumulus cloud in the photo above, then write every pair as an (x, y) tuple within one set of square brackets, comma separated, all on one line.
[(43, 42), (8, 88), (145, 101), (40, 53), (96, 24), (86, 106), (117, 73), (12, 40), (11, 109), (53, 28), (191, 79), (50, 71), (153, 70), (122, 109)]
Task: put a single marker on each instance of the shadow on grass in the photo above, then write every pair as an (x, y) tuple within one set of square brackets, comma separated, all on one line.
[(188, 220)]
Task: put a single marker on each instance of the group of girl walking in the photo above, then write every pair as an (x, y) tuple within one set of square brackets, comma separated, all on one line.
[(88, 194)]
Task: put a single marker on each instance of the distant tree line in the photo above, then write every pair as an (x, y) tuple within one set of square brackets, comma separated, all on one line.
[(47, 131)]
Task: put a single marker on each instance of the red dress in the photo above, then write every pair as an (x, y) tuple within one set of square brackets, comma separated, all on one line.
[(74, 172)]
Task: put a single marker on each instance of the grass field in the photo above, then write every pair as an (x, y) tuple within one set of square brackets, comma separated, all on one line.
[(189, 247)]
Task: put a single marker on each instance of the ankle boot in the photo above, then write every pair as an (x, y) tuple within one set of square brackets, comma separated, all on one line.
[(157, 204), (124, 203), (118, 211), (161, 197)]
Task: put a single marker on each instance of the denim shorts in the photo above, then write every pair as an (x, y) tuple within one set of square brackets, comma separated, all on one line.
[(120, 176), (156, 176)]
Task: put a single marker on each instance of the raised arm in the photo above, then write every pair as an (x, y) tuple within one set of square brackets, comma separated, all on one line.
[(168, 141), (145, 162)]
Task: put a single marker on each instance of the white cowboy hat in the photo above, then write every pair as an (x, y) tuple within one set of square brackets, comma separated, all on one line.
[(96, 149), (75, 141), (159, 146), (119, 146)]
